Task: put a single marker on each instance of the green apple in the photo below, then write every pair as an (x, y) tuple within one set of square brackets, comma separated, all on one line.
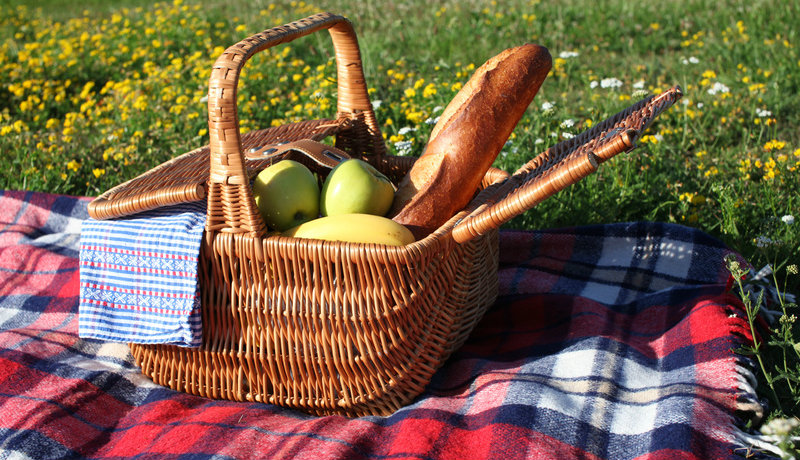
[(356, 187), (286, 194)]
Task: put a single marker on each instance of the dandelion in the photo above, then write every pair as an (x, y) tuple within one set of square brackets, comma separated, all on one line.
[(788, 219)]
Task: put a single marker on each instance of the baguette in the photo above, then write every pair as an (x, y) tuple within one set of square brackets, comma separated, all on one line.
[(468, 137)]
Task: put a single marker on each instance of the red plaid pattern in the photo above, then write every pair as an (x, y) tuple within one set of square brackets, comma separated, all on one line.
[(607, 342)]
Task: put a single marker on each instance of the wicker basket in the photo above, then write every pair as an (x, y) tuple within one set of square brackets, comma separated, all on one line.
[(330, 327)]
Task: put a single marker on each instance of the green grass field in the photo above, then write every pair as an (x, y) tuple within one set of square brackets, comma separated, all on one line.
[(95, 94)]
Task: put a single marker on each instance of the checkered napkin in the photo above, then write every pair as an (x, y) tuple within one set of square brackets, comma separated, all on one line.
[(607, 342), (139, 277)]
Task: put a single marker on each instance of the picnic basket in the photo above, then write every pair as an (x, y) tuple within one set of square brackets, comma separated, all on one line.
[(332, 327)]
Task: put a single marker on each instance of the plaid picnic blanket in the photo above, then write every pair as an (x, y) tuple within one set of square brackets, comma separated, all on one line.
[(607, 342)]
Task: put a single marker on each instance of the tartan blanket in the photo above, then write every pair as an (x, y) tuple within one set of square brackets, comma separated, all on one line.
[(607, 342)]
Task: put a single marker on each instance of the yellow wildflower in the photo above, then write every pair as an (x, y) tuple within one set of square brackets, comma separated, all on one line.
[(774, 145), (429, 90), (415, 117)]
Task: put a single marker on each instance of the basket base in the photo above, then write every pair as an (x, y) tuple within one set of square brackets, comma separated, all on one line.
[(372, 365)]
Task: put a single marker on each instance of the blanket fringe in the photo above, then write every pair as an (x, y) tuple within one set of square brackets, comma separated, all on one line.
[(766, 443), (749, 408), (747, 400)]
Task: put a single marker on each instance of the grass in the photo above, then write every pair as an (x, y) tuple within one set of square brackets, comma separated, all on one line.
[(93, 97)]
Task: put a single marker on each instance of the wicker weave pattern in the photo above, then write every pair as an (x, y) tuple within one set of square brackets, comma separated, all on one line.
[(322, 326), (328, 327), (331, 327)]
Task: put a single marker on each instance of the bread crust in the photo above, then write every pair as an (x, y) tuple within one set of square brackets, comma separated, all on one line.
[(468, 137)]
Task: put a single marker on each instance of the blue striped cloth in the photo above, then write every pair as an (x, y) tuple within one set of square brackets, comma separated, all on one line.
[(138, 277)]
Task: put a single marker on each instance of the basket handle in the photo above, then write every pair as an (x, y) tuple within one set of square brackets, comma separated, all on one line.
[(559, 167), (231, 207)]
